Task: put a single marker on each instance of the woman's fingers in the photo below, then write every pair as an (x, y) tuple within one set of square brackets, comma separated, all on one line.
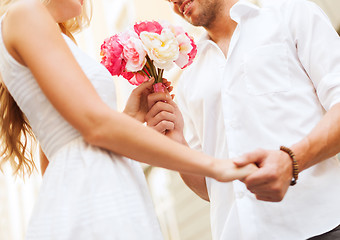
[(144, 86), (228, 171)]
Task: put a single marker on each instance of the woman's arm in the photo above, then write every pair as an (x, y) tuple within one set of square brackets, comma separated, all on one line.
[(164, 116), (30, 31)]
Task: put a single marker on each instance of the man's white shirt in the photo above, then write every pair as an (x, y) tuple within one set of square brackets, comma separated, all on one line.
[(281, 75)]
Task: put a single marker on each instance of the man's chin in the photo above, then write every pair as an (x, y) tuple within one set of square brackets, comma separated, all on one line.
[(192, 21)]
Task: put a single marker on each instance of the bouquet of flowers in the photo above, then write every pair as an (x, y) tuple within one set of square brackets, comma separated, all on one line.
[(146, 51)]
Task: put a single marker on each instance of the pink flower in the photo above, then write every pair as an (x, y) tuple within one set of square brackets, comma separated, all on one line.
[(148, 26), (146, 51), (187, 50), (112, 55), (187, 46), (176, 30), (135, 78), (133, 50)]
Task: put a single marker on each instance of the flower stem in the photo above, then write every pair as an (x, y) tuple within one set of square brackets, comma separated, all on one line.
[(152, 68), (146, 72), (160, 74)]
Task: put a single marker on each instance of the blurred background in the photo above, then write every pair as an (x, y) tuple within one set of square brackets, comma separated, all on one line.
[(182, 215)]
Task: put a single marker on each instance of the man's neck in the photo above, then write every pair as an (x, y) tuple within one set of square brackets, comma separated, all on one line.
[(222, 29)]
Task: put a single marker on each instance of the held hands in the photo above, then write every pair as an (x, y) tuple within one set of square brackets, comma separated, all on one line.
[(164, 115), (226, 170), (137, 104), (271, 181)]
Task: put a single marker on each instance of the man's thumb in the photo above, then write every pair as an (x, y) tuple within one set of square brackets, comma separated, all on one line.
[(241, 161), (252, 157)]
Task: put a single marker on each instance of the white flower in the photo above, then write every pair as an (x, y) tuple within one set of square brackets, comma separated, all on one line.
[(163, 49)]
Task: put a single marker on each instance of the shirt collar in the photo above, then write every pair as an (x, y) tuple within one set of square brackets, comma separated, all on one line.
[(237, 11), (243, 8)]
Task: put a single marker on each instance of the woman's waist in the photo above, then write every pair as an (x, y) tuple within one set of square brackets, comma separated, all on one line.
[(53, 144)]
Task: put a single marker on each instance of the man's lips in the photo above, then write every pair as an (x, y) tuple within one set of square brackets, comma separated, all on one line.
[(185, 5)]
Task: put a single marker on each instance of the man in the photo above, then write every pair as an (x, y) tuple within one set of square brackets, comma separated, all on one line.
[(266, 77)]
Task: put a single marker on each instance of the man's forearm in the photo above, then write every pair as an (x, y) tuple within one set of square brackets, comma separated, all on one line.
[(43, 161), (322, 143), (197, 184)]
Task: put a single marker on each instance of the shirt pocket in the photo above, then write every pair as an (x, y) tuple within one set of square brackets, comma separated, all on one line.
[(266, 70)]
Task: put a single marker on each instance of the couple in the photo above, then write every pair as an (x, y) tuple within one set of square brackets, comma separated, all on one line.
[(263, 78)]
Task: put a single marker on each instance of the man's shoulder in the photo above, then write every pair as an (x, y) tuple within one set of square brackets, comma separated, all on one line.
[(287, 5), (293, 10)]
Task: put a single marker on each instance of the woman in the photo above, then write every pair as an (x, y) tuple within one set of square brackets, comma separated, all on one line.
[(89, 190)]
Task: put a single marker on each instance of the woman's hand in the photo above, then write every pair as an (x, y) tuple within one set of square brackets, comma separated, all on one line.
[(137, 105), (226, 171)]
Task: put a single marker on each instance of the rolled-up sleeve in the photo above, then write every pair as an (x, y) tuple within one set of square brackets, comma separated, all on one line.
[(318, 48)]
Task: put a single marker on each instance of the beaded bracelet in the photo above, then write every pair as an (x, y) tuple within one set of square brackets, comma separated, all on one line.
[(294, 162)]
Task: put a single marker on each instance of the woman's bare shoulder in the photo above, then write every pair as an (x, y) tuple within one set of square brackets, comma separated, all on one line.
[(25, 14)]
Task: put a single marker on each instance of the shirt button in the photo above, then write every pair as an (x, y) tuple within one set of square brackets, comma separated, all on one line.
[(233, 124)]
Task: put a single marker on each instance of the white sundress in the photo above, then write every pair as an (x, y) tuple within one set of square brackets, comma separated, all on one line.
[(87, 192)]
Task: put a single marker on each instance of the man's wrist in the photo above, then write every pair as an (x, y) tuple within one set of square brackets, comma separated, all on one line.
[(303, 153), (295, 164), (178, 137)]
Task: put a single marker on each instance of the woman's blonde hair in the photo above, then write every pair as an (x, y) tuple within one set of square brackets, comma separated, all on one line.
[(16, 135)]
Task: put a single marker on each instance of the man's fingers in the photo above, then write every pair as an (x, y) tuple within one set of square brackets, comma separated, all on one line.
[(156, 97), (271, 196), (268, 198), (167, 84), (258, 178), (170, 88), (164, 126), (157, 108), (162, 116), (265, 186), (252, 157)]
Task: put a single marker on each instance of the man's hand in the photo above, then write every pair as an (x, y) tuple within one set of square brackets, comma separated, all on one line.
[(137, 104), (165, 117), (271, 181)]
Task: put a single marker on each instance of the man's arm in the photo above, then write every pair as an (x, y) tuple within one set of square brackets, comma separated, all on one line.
[(197, 184), (322, 143), (271, 181), (322, 64)]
